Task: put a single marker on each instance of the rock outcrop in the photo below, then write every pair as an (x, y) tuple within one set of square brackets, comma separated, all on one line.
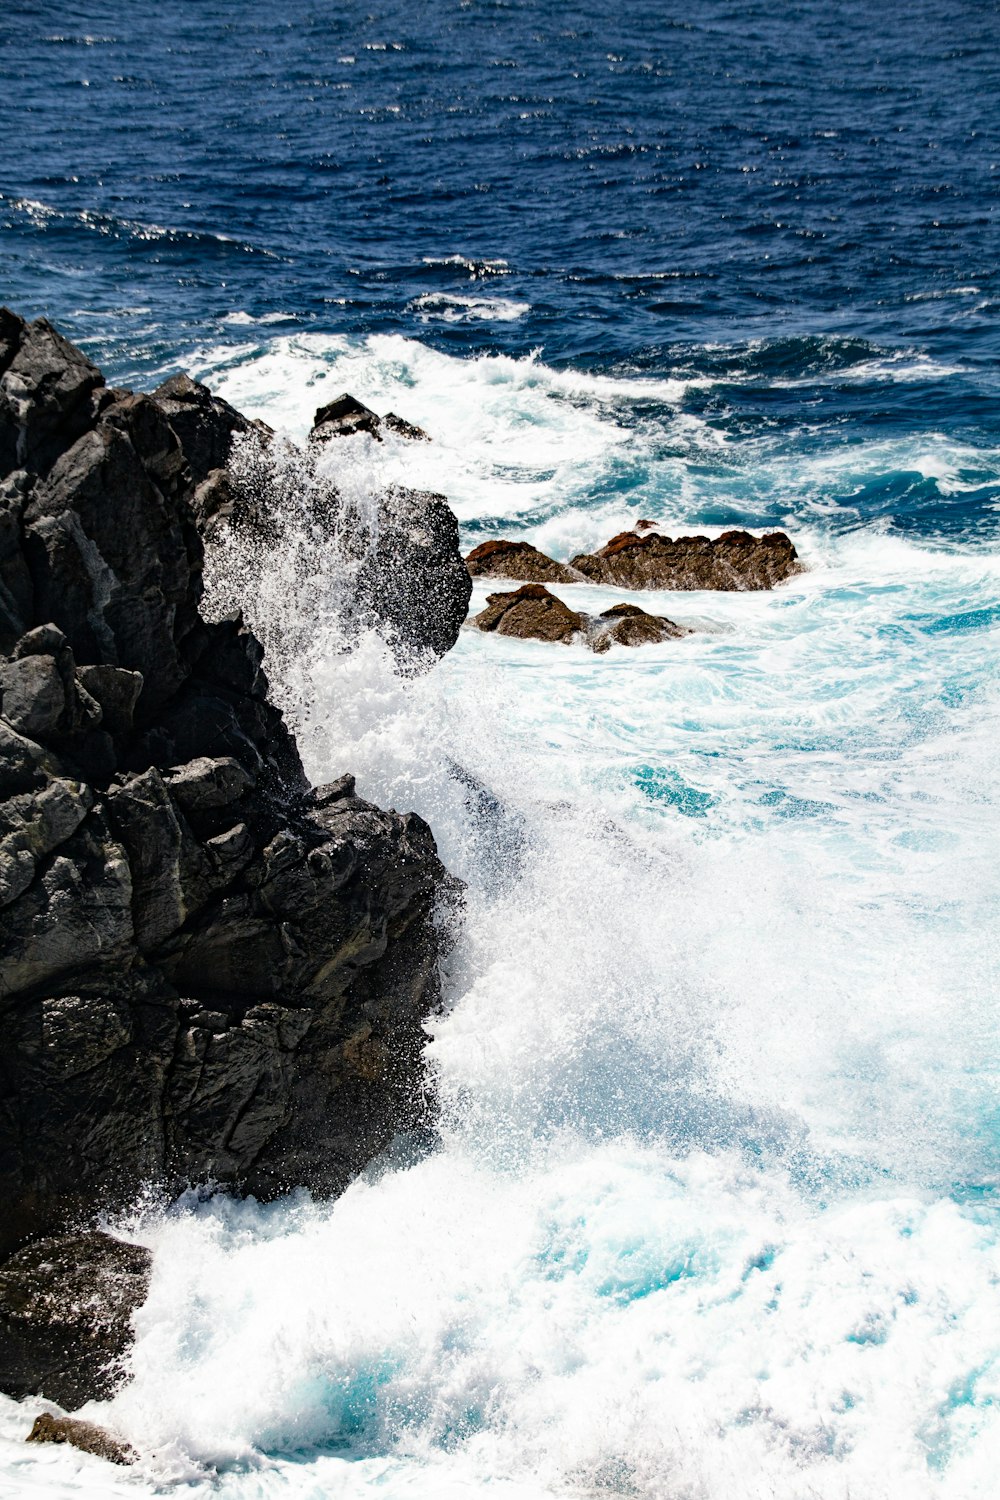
[(734, 561), (209, 970), (532, 613), (66, 1304), (628, 625), (345, 416), (87, 1436), (517, 560)]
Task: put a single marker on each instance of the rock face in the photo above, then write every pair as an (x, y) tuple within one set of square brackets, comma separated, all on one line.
[(532, 613), (502, 559), (208, 969), (735, 561), (65, 1309)]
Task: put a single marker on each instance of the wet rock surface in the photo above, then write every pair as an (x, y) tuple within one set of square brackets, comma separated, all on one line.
[(208, 970), (517, 560), (628, 625), (345, 416), (66, 1304), (734, 561), (87, 1436), (533, 613)]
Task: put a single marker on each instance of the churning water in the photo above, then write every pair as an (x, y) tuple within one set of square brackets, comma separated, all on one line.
[(711, 1209)]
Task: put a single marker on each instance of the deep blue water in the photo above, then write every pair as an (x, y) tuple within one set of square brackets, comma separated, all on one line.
[(661, 185)]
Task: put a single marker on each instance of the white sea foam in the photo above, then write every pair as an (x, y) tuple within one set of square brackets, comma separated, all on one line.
[(453, 308), (710, 1217)]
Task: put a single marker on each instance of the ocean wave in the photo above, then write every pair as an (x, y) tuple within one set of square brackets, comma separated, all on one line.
[(456, 309), (42, 216)]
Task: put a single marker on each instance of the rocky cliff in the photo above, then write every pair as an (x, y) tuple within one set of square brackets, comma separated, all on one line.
[(209, 970)]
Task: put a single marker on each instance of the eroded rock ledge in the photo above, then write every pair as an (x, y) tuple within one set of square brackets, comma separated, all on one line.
[(209, 970)]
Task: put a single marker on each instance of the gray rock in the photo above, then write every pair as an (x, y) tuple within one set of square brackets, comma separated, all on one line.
[(204, 424), (45, 397), (207, 783), (115, 690), (343, 417), (33, 696), (32, 825)]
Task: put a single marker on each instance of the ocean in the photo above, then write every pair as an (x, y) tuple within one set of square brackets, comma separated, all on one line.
[(711, 1209)]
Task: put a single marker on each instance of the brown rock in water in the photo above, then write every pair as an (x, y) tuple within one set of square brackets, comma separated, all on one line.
[(530, 613), (86, 1436), (628, 625), (503, 559), (66, 1305), (735, 561)]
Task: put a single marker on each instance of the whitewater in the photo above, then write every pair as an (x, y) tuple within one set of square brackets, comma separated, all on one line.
[(709, 1210)]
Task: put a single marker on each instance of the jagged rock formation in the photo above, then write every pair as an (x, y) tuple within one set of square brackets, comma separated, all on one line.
[(532, 613), (734, 561), (517, 560), (345, 416), (404, 568), (208, 969)]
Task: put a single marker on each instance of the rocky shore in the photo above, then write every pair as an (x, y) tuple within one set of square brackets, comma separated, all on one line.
[(734, 562), (209, 969)]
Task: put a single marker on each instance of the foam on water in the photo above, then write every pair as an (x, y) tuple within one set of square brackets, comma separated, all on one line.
[(711, 1210)]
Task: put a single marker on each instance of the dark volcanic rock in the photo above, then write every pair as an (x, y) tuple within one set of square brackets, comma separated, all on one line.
[(206, 970), (531, 613), (502, 559), (735, 561), (345, 416), (398, 565), (204, 424), (628, 625), (412, 578), (86, 1436), (66, 1305)]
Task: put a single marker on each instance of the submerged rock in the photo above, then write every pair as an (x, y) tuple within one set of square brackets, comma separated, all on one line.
[(734, 561), (530, 613), (207, 971), (503, 559), (86, 1436), (628, 625), (66, 1305)]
